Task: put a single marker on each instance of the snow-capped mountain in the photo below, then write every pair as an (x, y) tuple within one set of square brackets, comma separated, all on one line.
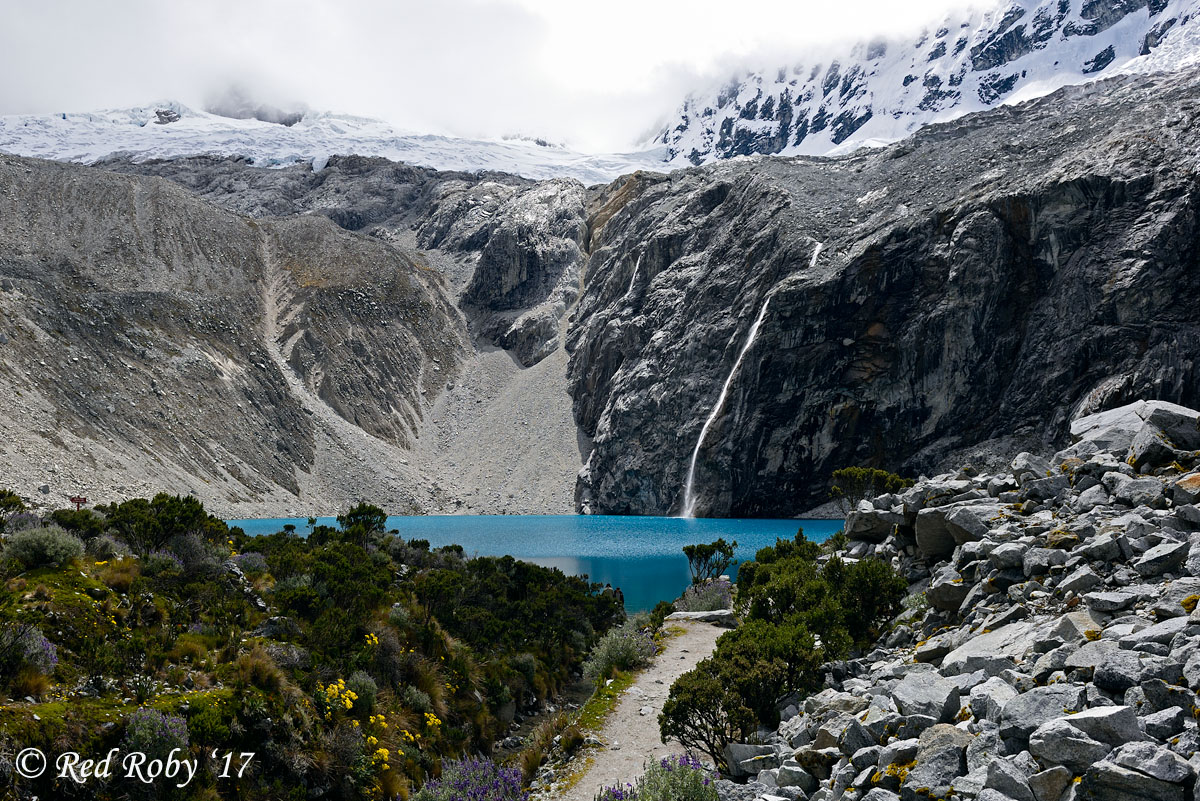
[(172, 130), (884, 90)]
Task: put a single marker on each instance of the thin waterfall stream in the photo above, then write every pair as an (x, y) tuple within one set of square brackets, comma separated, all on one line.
[(689, 487)]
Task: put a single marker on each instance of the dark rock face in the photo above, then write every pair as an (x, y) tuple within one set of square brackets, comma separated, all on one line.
[(868, 92), (1025, 272)]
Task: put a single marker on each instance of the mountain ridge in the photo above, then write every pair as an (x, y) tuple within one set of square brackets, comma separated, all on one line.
[(884, 90)]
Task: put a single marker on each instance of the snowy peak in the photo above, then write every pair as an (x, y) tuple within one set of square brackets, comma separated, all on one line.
[(884, 90)]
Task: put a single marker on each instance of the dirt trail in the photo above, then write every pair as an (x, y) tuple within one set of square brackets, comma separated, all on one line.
[(631, 737)]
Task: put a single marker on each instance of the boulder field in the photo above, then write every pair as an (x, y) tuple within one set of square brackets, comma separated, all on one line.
[(1050, 647)]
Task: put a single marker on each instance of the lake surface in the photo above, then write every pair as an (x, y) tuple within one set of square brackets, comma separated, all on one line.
[(641, 555)]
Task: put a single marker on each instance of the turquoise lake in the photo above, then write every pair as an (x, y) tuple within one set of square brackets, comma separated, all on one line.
[(641, 555)]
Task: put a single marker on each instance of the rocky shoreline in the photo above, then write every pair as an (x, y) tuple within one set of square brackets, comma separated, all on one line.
[(1050, 650)]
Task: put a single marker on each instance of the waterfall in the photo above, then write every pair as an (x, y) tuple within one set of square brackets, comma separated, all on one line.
[(689, 488), (633, 278)]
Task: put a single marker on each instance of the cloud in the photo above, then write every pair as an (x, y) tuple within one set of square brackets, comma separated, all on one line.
[(596, 75)]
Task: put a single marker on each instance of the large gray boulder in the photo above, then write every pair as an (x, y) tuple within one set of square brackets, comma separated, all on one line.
[(1011, 641), (1154, 760), (929, 694), (1186, 489), (1108, 781), (1057, 742), (1139, 770), (737, 753), (1179, 424), (1114, 430), (1112, 725), (939, 529), (870, 524), (947, 590), (1028, 467), (941, 758), (1009, 780), (1049, 784), (1150, 449), (1081, 580), (989, 698), (1111, 600), (1140, 492), (1118, 670), (1166, 557), (1024, 713)]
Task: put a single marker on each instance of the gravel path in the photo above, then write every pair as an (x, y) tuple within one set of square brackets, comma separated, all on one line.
[(631, 731)]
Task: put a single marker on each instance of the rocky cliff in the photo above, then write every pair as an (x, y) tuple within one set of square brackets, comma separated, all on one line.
[(885, 89), (735, 332), (1051, 647), (958, 294), (151, 340)]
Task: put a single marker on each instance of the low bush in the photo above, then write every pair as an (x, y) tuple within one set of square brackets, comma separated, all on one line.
[(257, 669), (106, 547), (10, 506), (154, 733), (252, 564), (44, 546), (539, 743), (40, 654), (162, 564), (476, 780), (659, 614), (679, 777), (22, 521), (622, 648), (706, 597), (120, 574), (364, 687), (853, 484)]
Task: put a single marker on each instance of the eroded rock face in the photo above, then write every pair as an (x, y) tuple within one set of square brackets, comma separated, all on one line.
[(509, 247), (166, 343), (1013, 282)]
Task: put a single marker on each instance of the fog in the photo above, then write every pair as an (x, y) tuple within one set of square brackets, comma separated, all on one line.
[(595, 76)]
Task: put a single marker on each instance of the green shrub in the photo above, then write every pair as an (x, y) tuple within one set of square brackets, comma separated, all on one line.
[(161, 564), (709, 561), (416, 700), (622, 648), (398, 616), (105, 547), (84, 522), (792, 603), (659, 614), (364, 687), (704, 711), (10, 504), (40, 547), (854, 484), (149, 525)]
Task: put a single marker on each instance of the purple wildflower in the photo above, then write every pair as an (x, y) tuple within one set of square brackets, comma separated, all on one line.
[(475, 779)]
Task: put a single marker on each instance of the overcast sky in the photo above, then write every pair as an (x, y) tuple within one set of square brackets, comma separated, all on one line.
[(596, 75)]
